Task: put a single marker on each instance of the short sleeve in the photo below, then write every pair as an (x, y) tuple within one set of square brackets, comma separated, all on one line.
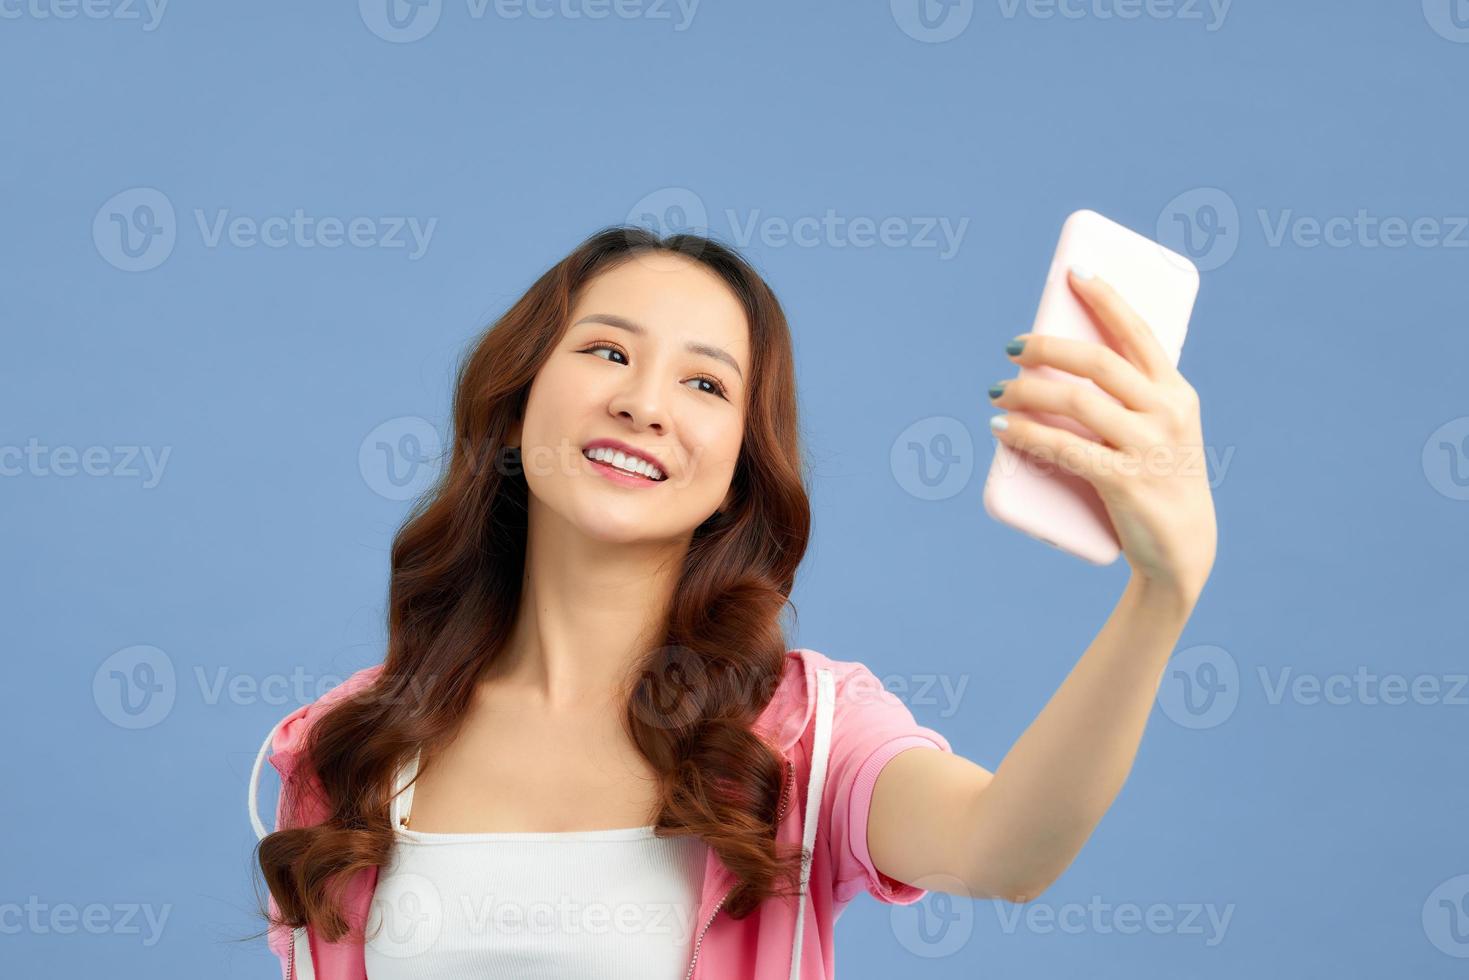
[(870, 725)]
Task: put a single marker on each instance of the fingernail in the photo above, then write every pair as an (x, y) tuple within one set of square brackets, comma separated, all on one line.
[(1081, 272), (997, 389), (1015, 346), (998, 422)]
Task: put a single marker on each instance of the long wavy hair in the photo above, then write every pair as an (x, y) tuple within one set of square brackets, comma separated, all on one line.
[(457, 570)]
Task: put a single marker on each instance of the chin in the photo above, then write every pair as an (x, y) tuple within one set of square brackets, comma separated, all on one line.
[(613, 532), (624, 522)]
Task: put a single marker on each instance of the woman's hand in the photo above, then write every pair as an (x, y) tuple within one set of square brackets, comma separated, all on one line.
[(1150, 469)]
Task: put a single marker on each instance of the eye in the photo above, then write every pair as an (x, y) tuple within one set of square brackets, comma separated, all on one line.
[(605, 346), (719, 389)]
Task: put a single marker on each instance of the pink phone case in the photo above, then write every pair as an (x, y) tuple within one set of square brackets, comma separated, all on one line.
[(1040, 498)]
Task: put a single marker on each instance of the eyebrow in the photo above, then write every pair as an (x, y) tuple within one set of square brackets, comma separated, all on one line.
[(622, 323)]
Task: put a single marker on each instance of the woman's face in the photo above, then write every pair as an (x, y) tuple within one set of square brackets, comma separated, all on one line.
[(657, 357)]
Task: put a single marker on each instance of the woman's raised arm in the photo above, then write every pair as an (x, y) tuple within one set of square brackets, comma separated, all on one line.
[(943, 822)]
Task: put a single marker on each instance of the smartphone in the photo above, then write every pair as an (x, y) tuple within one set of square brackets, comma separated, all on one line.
[(1038, 496)]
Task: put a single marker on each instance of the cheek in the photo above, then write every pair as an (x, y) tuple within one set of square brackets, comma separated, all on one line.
[(549, 398), (715, 451)]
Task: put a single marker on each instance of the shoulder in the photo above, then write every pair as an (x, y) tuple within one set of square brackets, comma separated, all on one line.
[(289, 735), (864, 711), (283, 745)]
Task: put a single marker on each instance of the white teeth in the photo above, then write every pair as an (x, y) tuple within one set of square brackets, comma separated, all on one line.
[(630, 464)]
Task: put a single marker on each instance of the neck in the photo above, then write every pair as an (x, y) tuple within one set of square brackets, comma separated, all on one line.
[(589, 611)]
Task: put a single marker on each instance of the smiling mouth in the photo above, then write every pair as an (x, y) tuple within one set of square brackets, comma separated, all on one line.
[(626, 465)]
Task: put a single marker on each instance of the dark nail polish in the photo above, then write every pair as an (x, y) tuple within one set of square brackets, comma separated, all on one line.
[(997, 389), (1014, 347)]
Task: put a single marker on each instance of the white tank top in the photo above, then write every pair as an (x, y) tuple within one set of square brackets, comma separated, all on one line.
[(614, 904)]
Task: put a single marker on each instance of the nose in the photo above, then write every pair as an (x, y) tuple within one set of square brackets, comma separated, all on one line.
[(642, 400)]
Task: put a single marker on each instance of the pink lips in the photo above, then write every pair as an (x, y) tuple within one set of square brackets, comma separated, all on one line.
[(618, 476), (616, 445)]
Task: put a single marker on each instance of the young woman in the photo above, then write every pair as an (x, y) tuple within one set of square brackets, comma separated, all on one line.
[(589, 752)]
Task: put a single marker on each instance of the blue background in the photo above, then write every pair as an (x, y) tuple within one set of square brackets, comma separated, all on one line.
[(1326, 374)]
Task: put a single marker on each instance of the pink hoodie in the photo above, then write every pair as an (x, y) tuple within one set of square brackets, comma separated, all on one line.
[(831, 719)]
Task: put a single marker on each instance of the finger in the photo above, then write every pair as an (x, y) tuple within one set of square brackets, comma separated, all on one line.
[(1132, 334), (1108, 369), (1055, 447), (1110, 421)]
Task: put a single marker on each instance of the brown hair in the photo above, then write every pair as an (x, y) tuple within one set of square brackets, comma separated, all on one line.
[(457, 565)]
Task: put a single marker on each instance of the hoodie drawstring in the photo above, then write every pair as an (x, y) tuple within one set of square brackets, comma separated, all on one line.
[(300, 966), (825, 708)]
